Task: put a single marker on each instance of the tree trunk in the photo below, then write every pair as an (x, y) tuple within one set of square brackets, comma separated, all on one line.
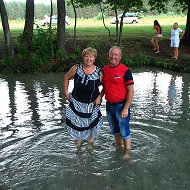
[(104, 21), (121, 24), (61, 25), (6, 30), (120, 30), (116, 25), (186, 37), (50, 32), (29, 23), (75, 25)]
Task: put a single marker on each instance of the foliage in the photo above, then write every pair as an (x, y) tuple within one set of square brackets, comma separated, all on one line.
[(138, 60), (144, 60), (63, 56), (16, 10), (94, 43), (161, 5), (7, 65), (39, 51)]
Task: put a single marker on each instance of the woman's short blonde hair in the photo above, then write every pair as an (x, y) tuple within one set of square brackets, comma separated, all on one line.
[(88, 51)]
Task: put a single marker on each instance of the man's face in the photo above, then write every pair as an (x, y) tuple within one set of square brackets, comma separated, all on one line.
[(115, 56)]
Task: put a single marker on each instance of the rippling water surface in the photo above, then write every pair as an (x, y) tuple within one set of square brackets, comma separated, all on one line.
[(36, 152)]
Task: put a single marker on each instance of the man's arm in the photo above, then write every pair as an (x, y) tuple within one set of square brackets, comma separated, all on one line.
[(129, 99)]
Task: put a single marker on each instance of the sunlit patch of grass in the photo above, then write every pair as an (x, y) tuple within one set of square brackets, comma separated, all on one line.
[(93, 27)]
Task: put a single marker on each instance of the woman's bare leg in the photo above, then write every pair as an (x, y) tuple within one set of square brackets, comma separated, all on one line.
[(157, 45), (176, 53), (90, 143), (153, 42), (79, 142)]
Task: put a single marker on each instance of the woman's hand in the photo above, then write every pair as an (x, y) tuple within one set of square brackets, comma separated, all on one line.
[(68, 97), (98, 101)]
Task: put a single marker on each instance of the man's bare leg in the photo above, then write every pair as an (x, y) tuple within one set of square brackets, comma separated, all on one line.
[(127, 148), (118, 141)]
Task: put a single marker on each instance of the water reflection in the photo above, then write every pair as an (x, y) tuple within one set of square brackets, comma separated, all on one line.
[(37, 153), (30, 103)]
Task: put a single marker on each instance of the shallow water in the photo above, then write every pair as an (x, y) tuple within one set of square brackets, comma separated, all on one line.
[(37, 153)]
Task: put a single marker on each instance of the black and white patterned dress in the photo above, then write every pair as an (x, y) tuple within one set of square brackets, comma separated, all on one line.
[(83, 119)]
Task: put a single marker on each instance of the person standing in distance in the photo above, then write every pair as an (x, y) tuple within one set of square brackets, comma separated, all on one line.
[(118, 87), (175, 39), (158, 35)]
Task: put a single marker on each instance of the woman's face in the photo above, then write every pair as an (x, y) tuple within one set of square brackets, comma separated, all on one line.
[(89, 59), (175, 26)]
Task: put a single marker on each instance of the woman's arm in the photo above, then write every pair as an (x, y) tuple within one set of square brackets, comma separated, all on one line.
[(98, 100), (182, 34), (70, 75)]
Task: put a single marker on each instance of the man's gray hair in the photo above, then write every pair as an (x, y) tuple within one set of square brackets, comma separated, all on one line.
[(113, 47)]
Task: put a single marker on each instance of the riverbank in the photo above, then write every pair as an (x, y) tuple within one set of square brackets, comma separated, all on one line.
[(136, 52)]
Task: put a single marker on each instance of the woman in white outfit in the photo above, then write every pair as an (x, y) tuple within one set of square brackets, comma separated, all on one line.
[(175, 39)]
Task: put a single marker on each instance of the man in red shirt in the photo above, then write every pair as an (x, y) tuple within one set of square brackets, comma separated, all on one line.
[(119, 89)]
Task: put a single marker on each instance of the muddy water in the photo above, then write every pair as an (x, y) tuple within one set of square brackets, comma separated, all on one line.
[(37, 153)]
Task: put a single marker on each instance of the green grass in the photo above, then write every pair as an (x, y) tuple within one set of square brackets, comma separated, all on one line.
[(91, 27)]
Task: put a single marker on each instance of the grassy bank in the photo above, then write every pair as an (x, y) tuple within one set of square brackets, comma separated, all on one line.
[(136, 45), (95, 27)]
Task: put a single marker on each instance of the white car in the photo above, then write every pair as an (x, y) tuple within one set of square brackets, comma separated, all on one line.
[(128, 18), (46, 20)]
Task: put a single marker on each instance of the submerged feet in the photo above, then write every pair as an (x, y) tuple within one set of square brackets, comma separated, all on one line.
[(79, 143), (89, 146), (126, 155), (117, 146), (90, 141)]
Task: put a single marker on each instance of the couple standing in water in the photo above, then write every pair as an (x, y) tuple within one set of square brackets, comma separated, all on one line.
[(83, 116)]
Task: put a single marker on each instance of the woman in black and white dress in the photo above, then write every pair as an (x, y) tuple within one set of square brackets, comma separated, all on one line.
[(83, 116)]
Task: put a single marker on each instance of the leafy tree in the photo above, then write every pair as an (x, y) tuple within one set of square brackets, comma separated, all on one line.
[(42, 9), (161, 5), (85, 3), (16, 10), (6, 30), (124, 5)]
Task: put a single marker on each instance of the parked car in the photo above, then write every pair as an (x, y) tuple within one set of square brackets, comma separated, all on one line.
[(46, 20), (128, 18)]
